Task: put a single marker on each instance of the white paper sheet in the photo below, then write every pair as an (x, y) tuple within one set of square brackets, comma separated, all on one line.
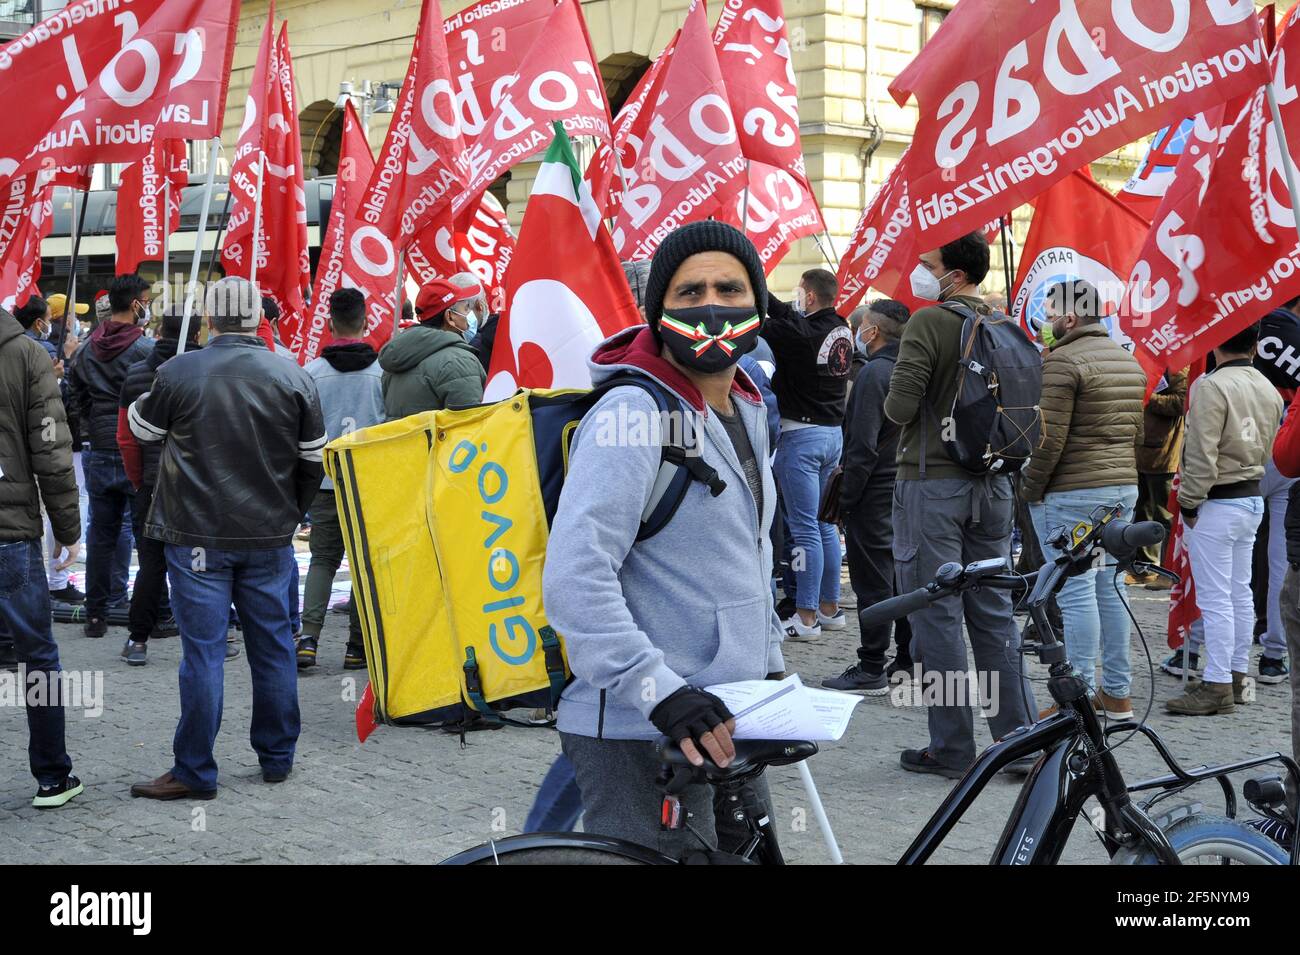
[(766, 709)]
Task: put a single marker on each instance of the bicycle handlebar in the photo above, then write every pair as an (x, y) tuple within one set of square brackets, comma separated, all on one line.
[(1124, 540), (896, 607)]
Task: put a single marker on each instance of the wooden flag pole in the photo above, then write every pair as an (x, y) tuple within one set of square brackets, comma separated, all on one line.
[(192, 287)]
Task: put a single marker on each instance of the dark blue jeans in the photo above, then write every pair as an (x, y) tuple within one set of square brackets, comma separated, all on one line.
[(25, 611), (108, 538), (558, 803), (204, 583)]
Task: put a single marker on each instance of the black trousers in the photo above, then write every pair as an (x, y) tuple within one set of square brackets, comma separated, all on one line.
[(869, 542), (149, 598)]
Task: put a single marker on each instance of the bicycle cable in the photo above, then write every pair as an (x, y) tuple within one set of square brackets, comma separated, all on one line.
[(1151, 667)]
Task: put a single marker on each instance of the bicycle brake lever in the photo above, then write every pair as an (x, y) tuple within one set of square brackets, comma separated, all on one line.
[(1142, 567)]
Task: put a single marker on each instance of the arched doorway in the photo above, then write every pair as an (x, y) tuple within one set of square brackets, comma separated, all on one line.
[(321, 127), (620, 73)]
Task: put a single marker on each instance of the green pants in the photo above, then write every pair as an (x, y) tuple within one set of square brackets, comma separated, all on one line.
[(326, 555)]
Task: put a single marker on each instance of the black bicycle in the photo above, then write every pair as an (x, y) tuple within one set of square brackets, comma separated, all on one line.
[(1076, 759)]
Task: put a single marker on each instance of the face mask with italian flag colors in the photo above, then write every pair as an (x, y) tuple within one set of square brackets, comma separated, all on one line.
[(710, 338)]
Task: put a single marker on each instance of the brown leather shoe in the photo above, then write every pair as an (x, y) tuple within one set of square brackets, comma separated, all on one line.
[(168, 786), (1115, 707)]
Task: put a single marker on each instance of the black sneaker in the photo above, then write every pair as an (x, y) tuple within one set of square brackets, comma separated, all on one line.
[(167, 627), (306, 653), (1273, 671), (96, 627), (857, 680), (344, 608), (135, 654), (52, 797), (899, 670), (274, 775), (354, 657), (920, 761), (68, 595), (1177, 666)]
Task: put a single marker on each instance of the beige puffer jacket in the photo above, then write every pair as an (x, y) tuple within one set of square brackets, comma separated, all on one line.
[(1092, 416)]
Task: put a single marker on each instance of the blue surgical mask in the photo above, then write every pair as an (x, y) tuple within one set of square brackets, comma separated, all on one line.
[(471, 324)]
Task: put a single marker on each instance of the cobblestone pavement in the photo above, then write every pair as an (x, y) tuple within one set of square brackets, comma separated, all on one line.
[(414, 795)]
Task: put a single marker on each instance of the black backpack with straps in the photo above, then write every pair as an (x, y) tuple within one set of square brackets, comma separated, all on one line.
[(995, 417)]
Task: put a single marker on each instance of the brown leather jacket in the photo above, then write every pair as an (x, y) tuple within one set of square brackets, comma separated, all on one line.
[(1161, 443)]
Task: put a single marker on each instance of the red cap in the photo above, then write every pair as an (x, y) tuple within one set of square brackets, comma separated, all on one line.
[(440, 294)]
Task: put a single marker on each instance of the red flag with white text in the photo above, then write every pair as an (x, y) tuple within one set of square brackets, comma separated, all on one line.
[(154, 180), (1068, 82), (245, 165), (1223, 249), (28, 217), (778, 208), (882, 252), (110, 77), (353, 254), (1079, 231), (690, 161), (557, 313), (485, 248)]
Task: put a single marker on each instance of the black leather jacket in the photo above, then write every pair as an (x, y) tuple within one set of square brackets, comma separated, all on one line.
[(244, 435)]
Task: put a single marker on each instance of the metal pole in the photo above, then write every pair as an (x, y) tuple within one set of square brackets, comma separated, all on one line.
[(257, 218), (167, 218), (221, 230), (819, 813), (70, 307), (744, 203), (192, 287), (1006, 258), (1288, 165)]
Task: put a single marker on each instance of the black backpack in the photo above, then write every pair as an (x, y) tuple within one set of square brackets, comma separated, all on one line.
[(995, 418)]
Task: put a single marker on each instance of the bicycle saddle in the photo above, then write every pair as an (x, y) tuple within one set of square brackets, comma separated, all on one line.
[(750, 754)]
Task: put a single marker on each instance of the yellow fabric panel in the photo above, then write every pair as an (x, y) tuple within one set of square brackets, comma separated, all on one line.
[(489, 530), (380, 477)]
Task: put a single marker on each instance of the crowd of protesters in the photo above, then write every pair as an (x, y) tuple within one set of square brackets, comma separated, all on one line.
[(827, 428)]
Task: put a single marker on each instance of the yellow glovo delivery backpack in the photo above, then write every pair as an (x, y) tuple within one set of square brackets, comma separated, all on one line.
[(445, 519)]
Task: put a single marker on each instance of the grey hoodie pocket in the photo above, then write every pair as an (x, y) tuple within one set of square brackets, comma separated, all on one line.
[(743, 631)]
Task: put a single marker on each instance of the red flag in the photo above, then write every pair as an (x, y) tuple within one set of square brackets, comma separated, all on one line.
[(1079, 231), (365, 715), (244, 166), (556, 313), (486, 247), (882, 251), (417, 172), (754, 56), (1183, 611), (603, 175), (557, 81), (283, 268), (156, 178), (778, 209), (97, 81), (353, 254), (690, 160), (1146, 188), (1070, 81), (27, 217), (432, 254), (1222, 250)]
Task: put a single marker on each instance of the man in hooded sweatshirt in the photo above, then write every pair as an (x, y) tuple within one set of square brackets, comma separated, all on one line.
[(95, 388), (348, 380), (649, 624), (432, 365)]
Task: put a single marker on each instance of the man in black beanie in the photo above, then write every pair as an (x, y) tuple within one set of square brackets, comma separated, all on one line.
[(651, 621)]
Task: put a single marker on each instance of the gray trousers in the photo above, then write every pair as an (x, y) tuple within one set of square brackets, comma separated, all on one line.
[(621, 798), (954, 519)]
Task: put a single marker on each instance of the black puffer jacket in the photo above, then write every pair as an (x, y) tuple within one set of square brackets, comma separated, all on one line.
[(244, 439), (35, 446), (95, 379), (814, 354)]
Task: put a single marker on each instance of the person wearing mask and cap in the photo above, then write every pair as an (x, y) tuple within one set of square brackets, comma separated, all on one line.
[(94, 388), (432, 365), (645, 630)]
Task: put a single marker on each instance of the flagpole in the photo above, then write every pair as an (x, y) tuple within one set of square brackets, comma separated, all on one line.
[(192, 287), (1006, 257), (257, 216), (400, 294), (744, 203), (167, 216), (1288, 166), (820, 248), (70, 306), (221, 230)]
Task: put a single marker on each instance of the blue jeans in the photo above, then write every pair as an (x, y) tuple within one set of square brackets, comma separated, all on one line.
[(1091, 607), (108, 537), (25, 612), (204, 582), (558, 803), (804, 461)]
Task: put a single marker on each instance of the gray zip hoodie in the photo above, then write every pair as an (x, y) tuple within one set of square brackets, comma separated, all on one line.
[(691, 605)]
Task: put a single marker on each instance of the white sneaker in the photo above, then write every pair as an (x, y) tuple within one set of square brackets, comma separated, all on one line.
[(835, 622), (797, 631)]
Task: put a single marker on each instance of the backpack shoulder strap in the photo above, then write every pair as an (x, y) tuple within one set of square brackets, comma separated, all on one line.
[(679, 464)]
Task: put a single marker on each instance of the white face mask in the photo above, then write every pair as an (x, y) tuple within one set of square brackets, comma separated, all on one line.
[(925, 285)]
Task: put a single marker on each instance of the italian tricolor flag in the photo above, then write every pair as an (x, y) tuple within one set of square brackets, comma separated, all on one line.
[(565, 290)]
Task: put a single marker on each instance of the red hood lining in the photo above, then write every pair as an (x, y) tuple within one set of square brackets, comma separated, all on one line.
[(637, 347)]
